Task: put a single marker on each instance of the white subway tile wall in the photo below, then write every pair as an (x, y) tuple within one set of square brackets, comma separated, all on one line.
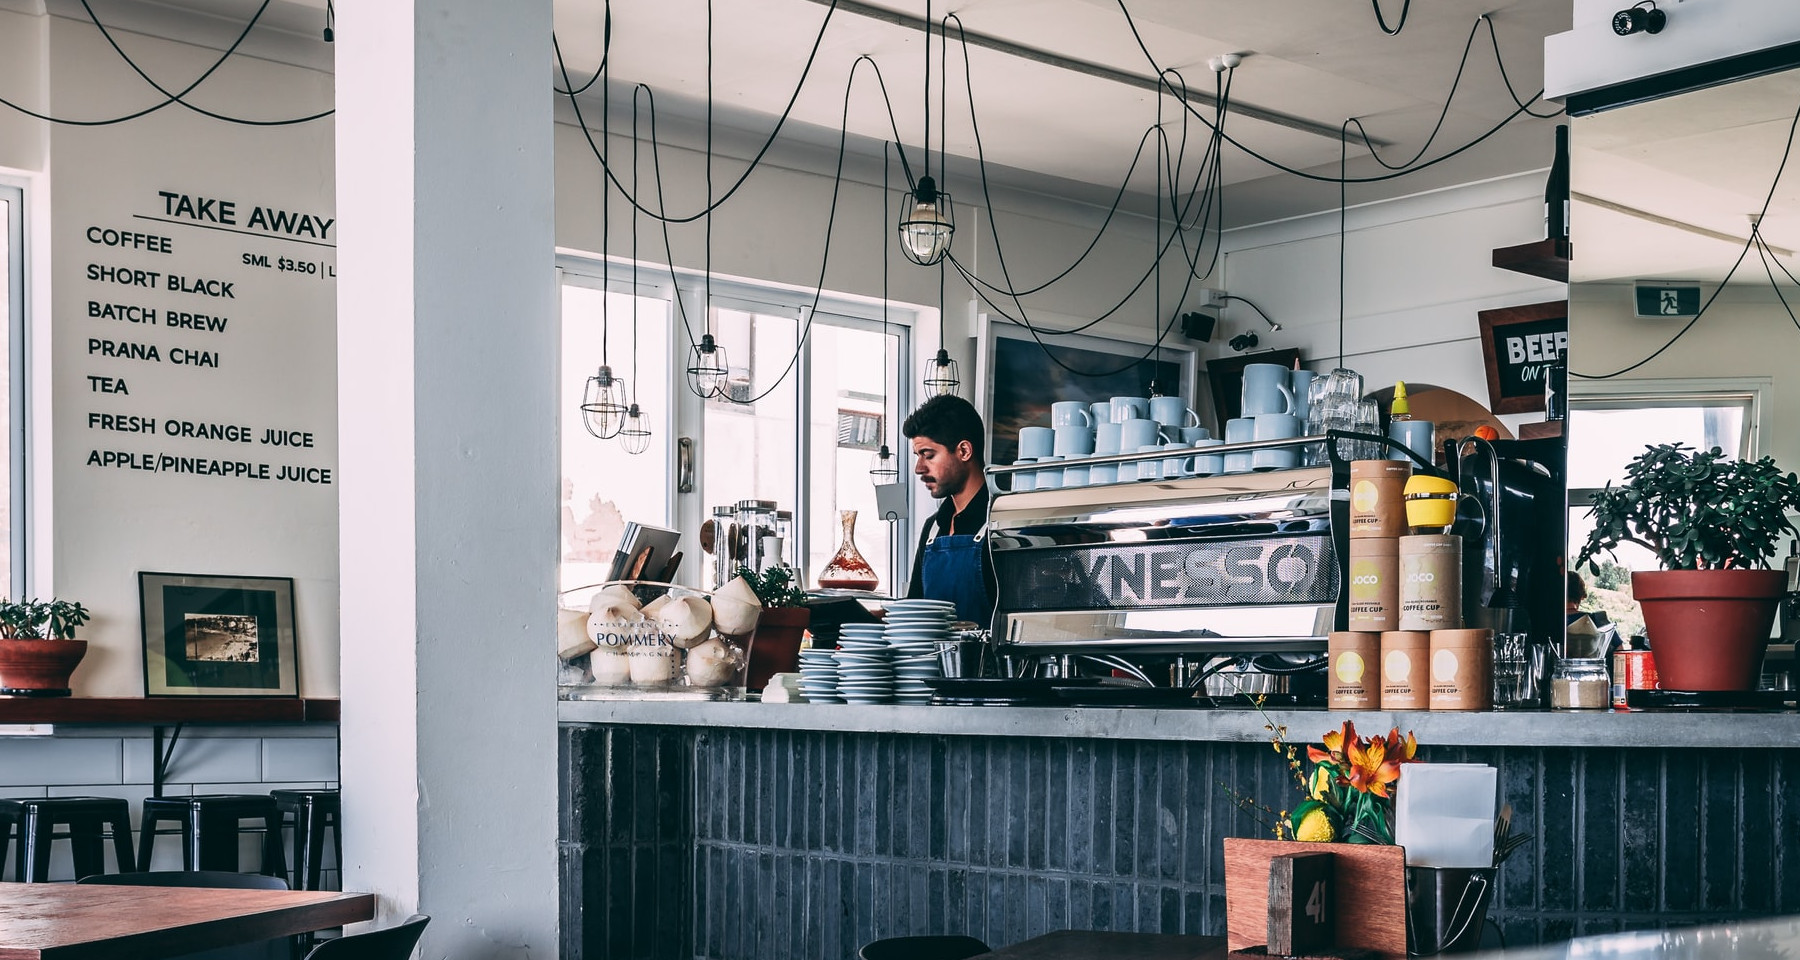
[(118, 762)]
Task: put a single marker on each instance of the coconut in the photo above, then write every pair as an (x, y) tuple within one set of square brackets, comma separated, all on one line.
[(572, 638), (736, 608), (685, 620), (616, 595), (710, 664), (651, 608), (612, 626), (740, 590)]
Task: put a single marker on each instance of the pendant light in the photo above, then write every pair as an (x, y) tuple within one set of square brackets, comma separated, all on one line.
[(883, 467), (927, 216), (634, 432), (941, 378), (603, 400), (708, 367)]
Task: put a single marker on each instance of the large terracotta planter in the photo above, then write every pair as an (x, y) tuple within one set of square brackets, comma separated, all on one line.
[(775, 646), (39, 668), (1708, 628)]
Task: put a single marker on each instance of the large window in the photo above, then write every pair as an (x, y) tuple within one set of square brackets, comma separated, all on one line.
[(1606, 431), (12, 389)]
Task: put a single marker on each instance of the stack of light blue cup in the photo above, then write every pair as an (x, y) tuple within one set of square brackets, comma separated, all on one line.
[(1106, 428)]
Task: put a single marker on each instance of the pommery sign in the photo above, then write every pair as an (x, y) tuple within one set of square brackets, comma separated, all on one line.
[(1519, 346)]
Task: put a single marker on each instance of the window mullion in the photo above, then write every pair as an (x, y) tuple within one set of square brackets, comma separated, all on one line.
[(801, 546)]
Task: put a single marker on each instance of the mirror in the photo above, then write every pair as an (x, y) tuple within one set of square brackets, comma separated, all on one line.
[(1666, 191)]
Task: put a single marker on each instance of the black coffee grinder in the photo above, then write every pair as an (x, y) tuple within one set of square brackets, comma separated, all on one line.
[(1512, 516)]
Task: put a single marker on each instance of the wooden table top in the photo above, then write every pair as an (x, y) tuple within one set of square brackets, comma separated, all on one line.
[(1091, 944), (58, 921)]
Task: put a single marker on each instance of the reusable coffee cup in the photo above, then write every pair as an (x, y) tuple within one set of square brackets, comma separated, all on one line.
[(1241, 430), (1103, 473), (1404, 684), (1173, 412), (1462, 669), (1075, 476), (1276, 426), (1355, 664), (1374, 584), (1101, 411), (1431, 582), (1070, 413), (1149, 469), (1208, 465), (1300, 382), (1177, 466), (1049, 473), (1106, 438), (1136, 433), (1025, 479), (1194, 434), (1416, 434), (1266, 389), (1073, 441), (1377, 504), (1130, 408), (1036, 442)]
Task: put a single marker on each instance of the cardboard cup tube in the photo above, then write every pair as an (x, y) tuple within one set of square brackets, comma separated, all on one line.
[(1378, 498), (1431, 582), (1404, 672), (1355, 670), (1462, 669), (1374, 585)]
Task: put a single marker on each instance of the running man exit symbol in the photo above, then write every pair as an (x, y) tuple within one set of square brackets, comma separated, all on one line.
[(1671, 303), (1667, 299)]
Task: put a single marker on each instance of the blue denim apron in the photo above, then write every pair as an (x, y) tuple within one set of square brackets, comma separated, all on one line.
[(952, 571)]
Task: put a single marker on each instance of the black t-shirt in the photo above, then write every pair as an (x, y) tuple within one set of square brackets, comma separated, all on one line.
[(947, 521)]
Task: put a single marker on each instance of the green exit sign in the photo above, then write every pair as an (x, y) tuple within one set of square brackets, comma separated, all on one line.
[(1668, 299)]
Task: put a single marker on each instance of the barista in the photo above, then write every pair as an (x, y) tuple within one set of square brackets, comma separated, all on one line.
[(952, 562)]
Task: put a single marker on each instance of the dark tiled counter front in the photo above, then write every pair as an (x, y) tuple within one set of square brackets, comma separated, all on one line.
[(788, 834)]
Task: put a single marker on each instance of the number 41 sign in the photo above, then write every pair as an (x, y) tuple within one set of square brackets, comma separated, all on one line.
[(1301, 903)]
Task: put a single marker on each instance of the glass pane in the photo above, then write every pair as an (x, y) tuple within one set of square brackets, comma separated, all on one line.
[(750, 446), (602, 485), (855, 373), (1602, 441)]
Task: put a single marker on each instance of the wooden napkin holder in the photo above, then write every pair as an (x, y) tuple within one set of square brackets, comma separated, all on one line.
[(1369, 907)]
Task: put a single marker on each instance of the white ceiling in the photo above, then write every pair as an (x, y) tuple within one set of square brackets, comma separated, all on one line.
[(1688, 171)]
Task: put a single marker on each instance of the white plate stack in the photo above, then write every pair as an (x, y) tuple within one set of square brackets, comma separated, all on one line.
[(865, 664), (819, 675), (914, 630)]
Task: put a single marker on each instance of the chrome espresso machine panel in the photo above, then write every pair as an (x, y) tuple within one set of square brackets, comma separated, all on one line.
[(1233, 564)]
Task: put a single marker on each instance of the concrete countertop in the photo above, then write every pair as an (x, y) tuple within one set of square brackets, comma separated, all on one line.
[(1526, 729)]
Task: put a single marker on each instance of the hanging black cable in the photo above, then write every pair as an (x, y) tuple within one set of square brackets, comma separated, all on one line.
[(1381, 20), (634, 434), (330, 22), (178, 97), (1499, 61), (709, 366), (1343, 223), (605, 54), (885, 468), (755, 161), (1762, 251), (1755, 231)]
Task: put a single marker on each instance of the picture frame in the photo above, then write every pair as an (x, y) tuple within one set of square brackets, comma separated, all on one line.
[(1513, 341), (1016, 382), (218, 636)]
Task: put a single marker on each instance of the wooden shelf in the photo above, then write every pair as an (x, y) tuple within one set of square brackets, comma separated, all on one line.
[(166, 710), (1540, 431), (1542, 258)]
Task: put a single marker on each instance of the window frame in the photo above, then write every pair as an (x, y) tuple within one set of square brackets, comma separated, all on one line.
[(1750, 392), (687, 413), (18, 496)]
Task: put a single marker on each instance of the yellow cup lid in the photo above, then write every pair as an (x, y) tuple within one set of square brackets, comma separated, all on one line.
[(1426, 485)]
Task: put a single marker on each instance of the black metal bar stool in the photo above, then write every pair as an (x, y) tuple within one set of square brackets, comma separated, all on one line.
[(313, 811), (87, 820), (210, 826)]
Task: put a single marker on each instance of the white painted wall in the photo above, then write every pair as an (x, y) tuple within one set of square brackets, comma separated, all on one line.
[(1418, 270), (22, 78)]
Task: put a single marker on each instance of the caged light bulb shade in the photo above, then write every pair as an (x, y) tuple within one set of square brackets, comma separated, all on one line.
[(634, 435), (940, 375), (603, 404), (884, 467), (927, 223), (707, 368)]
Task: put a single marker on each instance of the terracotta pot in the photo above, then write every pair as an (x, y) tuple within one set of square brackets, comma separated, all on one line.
[(1708, 628), (775, 646), (39, 668)]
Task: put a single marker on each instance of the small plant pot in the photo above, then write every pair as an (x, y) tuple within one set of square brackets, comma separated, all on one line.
[(775, 646), (39, 668), (1708, 628)]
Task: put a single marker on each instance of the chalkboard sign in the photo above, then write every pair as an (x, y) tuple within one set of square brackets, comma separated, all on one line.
[(1519, 345)]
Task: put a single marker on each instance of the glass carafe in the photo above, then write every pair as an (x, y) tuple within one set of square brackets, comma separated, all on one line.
[(847, 569)]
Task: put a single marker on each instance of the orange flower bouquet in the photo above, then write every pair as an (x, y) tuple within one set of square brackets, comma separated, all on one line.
[(1347, 796)]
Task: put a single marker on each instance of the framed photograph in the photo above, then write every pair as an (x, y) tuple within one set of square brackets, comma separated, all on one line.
[(1518, 344), (1017, 381), (207, 636)]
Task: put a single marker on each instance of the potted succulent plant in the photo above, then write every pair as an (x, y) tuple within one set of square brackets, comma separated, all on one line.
[(775, 647), (1714, 523), (38, 649)]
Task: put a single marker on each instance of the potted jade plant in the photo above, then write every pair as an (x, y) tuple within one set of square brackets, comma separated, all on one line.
[(1714, 523), (38, 649), (775, 646)]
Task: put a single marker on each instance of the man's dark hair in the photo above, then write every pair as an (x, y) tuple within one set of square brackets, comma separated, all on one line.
[(948, 420)]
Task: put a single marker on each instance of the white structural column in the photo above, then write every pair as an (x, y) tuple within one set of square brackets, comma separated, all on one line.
[(448, 528)]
